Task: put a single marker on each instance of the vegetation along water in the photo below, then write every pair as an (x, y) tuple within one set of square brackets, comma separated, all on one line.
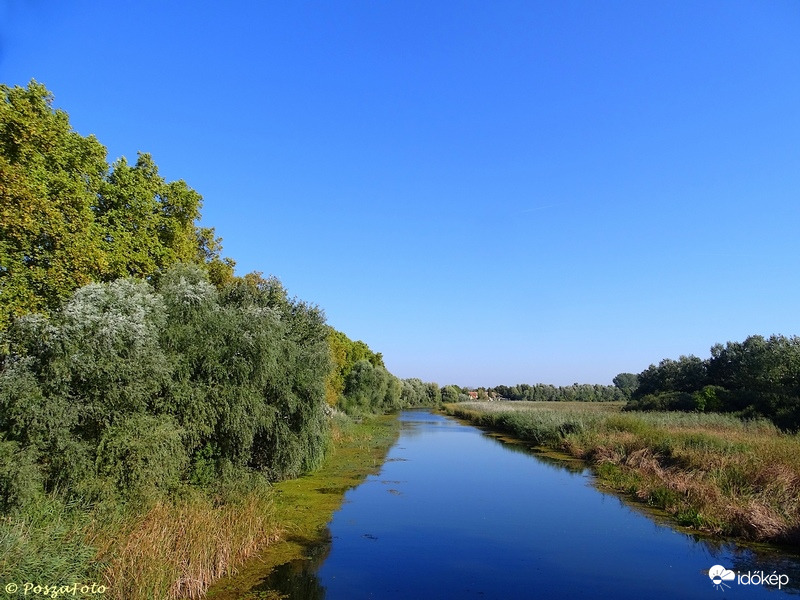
[(457, 513), (149, 397), (164, 420), (714, 472)]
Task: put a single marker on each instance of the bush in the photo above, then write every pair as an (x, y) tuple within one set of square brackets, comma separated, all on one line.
[(683, 401), (142, 456), (20, 478)]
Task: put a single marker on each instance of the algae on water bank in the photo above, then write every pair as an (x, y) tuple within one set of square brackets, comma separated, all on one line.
[(304, 506)]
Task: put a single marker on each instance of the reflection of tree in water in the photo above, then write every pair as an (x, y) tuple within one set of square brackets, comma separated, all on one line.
[(296, 580)]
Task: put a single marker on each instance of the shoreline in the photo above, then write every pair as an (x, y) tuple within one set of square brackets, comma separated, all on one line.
[(655, 472), (304, 506)]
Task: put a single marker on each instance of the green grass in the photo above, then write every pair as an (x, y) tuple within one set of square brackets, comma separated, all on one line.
[(47, 544), (712, 472)]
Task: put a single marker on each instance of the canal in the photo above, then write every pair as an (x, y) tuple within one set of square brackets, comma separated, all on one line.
[(455, 513)]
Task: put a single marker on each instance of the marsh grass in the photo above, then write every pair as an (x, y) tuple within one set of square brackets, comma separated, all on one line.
[(175, 550), (169, 549), (712, 472)]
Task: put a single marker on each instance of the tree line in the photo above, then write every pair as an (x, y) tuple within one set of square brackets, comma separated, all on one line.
[(360, 382), (759, 377), (577, 392), (133, 360), (69, 218)]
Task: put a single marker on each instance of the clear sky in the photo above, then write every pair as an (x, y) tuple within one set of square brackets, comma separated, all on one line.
[(485, 192)]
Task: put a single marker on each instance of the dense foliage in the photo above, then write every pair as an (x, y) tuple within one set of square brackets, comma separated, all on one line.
[(132, 360), (68, 218), (132, 389), (757, 377)]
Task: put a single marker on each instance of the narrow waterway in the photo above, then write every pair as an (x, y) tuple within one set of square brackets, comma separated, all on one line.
[(455, 513)]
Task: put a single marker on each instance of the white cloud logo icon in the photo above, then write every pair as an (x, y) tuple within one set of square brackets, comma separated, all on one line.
[(719, 575)]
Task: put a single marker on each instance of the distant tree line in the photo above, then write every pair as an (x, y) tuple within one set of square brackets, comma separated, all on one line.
[(132, 360), (577, 392), (759, 377)]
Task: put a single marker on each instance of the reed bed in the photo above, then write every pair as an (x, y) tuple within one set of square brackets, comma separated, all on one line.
[(166, 550), (177, 550), (712, 472)]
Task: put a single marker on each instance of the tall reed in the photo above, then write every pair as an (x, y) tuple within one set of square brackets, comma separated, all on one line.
[(176, 550)]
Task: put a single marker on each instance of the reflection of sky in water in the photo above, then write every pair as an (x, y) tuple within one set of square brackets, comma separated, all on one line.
[(455, 514)]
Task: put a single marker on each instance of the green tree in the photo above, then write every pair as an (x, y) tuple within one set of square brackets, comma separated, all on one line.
[(209, 253), (345, 354), (450, 393), (146, 223), (626, 382), (687, 375), (69, 379), (67, 219), (49, 180)]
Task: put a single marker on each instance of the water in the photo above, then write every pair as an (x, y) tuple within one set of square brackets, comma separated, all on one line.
[(455, 513)]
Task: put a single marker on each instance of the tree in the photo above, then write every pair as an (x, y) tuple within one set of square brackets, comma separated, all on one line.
[(626, 382), (146, 223), (345, 354), (49, 180), (68, 219), (93, 365), (209, 252), (450, 393), (688, 374)]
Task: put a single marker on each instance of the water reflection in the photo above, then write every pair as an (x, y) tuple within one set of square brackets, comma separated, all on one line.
[(295, 579), (456, 513)]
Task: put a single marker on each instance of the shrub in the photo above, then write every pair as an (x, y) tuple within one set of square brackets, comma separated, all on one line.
[(20, 478), (142, 455)]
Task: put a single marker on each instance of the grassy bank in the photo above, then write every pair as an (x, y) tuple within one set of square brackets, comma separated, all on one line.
[(712, 472), (304, 506), (176, 549), (144, 550)]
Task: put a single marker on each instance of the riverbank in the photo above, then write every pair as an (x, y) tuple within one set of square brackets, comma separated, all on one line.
[(304, 506), (711, 472), (175, 548)]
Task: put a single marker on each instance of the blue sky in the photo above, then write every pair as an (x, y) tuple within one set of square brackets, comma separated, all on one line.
[(485, 192)]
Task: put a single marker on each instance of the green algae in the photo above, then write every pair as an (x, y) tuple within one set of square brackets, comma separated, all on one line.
[(304, 506)]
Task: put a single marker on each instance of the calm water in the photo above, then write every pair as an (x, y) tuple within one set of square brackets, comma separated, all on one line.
[(456, 514)]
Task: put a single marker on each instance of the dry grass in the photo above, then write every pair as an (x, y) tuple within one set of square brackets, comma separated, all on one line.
[(170, 549), (712, 472), (176, 551)]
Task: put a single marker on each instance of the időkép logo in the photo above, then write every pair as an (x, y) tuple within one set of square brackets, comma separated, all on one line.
[(720, 577)]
